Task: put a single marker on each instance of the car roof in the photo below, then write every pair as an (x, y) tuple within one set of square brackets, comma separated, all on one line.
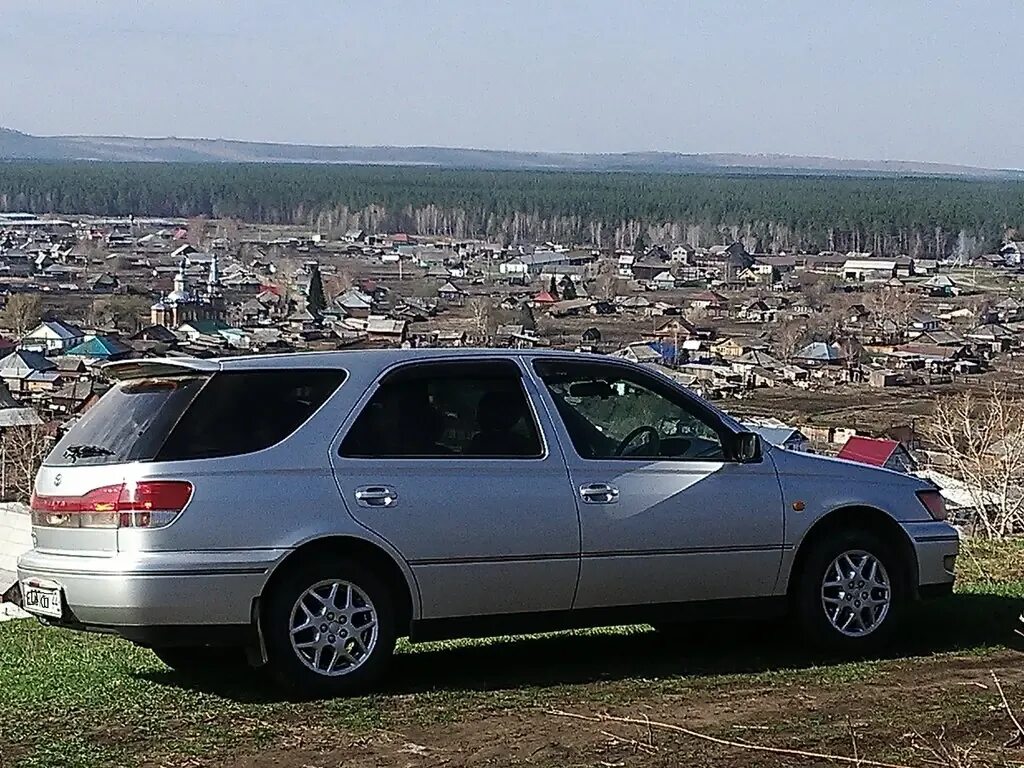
[(348, 359)]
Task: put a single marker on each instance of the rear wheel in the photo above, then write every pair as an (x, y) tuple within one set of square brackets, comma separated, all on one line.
[(852, 591), (329, 628)]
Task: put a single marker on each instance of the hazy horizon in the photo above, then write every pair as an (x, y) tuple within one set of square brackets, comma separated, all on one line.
[(919, 82)]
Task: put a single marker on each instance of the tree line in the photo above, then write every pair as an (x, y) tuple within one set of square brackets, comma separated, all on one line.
[(917, 216)]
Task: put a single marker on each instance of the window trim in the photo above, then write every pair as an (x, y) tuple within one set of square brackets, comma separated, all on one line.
[(693, 406), (514, 371)]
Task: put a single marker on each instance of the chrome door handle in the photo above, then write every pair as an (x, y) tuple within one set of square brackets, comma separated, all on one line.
[(599, 493), (375, 496)]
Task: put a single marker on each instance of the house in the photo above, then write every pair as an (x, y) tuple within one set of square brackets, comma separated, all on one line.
[(878, 452), (354, 303), (777, 433), (380, 328), (737, 346), (53, 337), (451, 294), (764, 310), (663, 281), (868, 270), (14, 414), (639, 353), (921, 322), (710, 302), (527, 265), (72, 397), (101, 348), (158, 333), (994, 337), (17, 368), (821, 353)]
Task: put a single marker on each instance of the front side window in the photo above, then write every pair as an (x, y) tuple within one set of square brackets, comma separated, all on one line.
[(447, 410), (612, 412)]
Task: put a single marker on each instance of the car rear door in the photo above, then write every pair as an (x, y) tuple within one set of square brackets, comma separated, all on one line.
[(672, 522), (451, 463)]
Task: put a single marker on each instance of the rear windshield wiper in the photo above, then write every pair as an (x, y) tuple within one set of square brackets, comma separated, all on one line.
[(76, 452)]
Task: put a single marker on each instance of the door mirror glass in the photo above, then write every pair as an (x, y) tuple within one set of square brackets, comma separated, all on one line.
[(747, 446)]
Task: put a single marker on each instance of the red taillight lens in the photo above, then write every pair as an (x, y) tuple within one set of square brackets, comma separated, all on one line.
[(149, 504), (934, 503)]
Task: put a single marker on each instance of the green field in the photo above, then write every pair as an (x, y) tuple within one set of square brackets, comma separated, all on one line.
[(72, 700)]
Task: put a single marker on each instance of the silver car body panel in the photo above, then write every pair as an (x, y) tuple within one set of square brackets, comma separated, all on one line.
[(470, 536)]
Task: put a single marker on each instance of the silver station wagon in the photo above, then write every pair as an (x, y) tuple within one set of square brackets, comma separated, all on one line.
[(304, 511)]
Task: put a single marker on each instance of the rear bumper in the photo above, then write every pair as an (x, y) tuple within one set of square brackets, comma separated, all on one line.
[(132, 594)]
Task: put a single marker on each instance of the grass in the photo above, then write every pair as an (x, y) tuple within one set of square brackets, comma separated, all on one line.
[(85, 701)]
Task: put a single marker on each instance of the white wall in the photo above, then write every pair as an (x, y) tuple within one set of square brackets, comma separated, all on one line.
[(15, 536)]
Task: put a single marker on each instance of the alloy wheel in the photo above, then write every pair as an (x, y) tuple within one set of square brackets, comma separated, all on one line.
[(856, 593), (333, 627)]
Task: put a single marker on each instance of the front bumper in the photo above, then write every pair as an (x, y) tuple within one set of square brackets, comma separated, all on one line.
[(130, 591)]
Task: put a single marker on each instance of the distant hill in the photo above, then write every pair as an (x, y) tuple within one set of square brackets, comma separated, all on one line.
[(15, 145)]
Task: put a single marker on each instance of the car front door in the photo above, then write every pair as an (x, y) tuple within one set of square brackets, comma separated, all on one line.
[(666, 515), (450, 462)]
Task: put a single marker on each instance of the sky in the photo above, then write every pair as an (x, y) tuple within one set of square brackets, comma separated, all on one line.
[(924, 80)]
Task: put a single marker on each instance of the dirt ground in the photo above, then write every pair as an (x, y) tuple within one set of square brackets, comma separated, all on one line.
[(903, 712)]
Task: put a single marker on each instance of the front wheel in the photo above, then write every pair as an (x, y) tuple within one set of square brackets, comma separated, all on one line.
[(329, 628), (852, 591)]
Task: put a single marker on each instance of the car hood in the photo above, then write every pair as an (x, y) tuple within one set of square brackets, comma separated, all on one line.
[(792, 463)]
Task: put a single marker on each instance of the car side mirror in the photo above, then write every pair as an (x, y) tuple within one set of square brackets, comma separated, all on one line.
[(746, 447)]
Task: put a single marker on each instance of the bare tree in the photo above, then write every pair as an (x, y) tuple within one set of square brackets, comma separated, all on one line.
[(607, 283), (983, 438), (197, 232), (788, 336), (895, 304), (22, 450), (819, 293), (480, 314), (21, 313)]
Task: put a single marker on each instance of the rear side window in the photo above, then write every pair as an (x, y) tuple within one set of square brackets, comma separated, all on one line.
[(129, 423), (246, 411), (447, 410)]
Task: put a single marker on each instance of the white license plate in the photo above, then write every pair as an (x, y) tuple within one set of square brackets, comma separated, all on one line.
[(42, 600)]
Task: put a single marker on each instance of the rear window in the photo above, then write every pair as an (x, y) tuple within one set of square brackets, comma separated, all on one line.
[(196, 417), (129, 423)]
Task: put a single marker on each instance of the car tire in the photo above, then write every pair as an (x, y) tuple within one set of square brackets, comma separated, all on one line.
[(205, 660), (851, 592), (304, 614)]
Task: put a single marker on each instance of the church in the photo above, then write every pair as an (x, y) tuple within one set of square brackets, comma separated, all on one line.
[(183, 305)]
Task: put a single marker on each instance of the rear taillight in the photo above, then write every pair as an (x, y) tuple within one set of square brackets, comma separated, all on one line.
[(148, 504), (934, 503)]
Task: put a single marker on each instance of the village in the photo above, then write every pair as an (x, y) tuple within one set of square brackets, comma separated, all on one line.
[(828, 352)]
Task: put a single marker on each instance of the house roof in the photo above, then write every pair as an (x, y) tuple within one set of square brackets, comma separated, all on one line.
[(869, 450), (100, 346), (819, 350), (640, 352), (22, 362), (205, 327), (58, 328)]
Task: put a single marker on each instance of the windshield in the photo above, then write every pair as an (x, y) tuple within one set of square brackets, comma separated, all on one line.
[(129, 423)]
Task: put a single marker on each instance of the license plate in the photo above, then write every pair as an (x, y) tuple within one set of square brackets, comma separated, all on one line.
[(42, 600)]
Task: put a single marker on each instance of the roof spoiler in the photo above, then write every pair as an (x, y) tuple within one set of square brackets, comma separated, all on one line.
[(123, 370)]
